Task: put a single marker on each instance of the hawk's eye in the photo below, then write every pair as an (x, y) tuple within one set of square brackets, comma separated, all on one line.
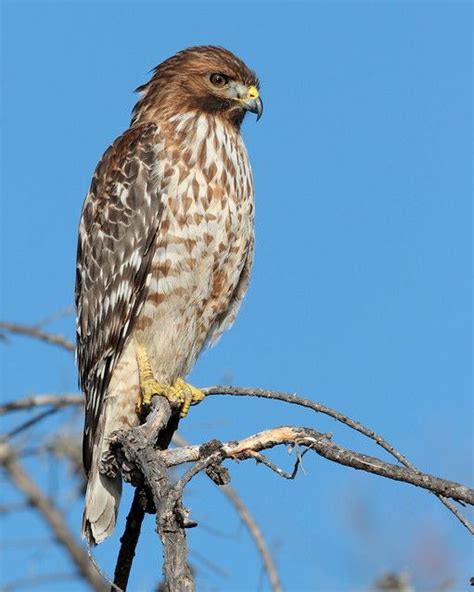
[(218, 79)]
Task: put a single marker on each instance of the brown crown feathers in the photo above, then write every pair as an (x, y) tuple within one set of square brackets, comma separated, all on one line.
[(184, 83)]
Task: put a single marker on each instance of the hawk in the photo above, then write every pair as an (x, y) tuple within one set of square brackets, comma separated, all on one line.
[(165, 249)]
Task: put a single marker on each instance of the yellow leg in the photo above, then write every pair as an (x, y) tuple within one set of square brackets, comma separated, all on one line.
[(148, 385), (180, 392)]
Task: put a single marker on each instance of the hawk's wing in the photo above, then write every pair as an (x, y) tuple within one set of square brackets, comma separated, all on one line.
[(119, 222)]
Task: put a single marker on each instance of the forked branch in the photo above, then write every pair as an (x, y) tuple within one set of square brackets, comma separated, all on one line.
[(143, 464)]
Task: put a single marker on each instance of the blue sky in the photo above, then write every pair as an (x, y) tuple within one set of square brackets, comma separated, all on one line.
[(361, 291)]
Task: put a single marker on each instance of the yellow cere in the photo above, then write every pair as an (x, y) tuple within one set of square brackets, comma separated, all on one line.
[(252, 92)]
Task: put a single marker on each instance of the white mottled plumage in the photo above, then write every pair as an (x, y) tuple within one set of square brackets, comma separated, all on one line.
[(165, 251)]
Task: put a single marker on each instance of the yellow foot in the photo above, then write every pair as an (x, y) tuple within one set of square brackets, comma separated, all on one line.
[(148, 388), (186, 394), (180, 393)]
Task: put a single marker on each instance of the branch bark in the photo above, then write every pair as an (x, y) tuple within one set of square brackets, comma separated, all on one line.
[(129, 540), (320, 443), (355, 425), (139, 461), (250, 523), (143, 460)]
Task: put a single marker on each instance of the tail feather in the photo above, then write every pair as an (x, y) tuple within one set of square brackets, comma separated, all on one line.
[(118, 412), (101, 507)]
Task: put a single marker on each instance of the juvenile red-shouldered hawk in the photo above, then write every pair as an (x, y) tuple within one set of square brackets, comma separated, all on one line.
[(165, 249)]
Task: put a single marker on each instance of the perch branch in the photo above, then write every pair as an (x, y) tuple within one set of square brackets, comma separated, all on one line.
[(64, 400), (138, 459), (136, 454)]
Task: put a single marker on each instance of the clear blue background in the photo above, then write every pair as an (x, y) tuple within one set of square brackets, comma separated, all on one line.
[(361, 291)]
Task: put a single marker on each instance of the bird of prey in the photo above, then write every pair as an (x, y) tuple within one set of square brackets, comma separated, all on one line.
[(165, 249)]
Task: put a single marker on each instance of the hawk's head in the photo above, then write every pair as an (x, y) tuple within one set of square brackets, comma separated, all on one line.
[(204, 79)]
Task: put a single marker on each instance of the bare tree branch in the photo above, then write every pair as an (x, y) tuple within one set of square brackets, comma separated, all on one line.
[(63, 400), (320, 443), (41, 401), (27, 424), (136, 455), (67, 311), (238, 391), (257, 535), (32, 331), (355, 425), (137, 458), (129, 540), (142, 462), (250, 523), (52, 516), (135, 517)]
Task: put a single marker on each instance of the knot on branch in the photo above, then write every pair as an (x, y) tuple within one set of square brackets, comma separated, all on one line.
[(209, 448), (217, 473), (121, 456), (182, 514)]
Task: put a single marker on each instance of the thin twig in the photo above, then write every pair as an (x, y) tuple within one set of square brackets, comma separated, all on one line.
[(67, 311), (260, 458), (28, 424), (32, 331), (257, 535), (462, 519), (203, 461), (51, 515), (135, 450)]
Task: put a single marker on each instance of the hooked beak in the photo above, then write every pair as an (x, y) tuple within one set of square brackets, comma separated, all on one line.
[(252, 102)]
